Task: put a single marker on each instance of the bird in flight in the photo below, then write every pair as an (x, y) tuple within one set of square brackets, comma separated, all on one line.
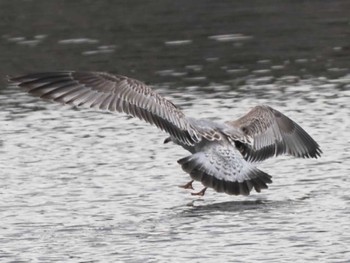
[(223, 156)]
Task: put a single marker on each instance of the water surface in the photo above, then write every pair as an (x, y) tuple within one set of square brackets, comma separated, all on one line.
[(86, 186)]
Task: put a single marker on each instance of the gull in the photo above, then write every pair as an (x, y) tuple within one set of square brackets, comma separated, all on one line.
[(223, 156)]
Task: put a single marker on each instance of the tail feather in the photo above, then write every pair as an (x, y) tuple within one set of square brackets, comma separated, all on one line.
[(232, 184)]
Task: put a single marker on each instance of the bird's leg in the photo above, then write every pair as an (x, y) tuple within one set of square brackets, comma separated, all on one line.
[(188, 185), (201, 192)]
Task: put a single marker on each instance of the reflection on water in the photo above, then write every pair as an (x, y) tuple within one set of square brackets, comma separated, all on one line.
[(80, 185)]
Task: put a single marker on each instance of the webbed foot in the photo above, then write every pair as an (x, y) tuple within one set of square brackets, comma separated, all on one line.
[(188, 185), (201, 192)]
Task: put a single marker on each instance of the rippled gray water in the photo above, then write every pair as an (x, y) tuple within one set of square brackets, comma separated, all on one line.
[(86, 186)]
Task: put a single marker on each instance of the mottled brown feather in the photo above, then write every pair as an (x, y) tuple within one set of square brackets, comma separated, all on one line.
[(269, 133), (105, 91)]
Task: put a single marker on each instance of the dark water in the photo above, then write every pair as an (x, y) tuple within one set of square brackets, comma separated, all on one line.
[(85, 186)]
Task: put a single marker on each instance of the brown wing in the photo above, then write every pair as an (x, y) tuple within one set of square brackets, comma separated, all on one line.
[(110, 92), (270, 133)]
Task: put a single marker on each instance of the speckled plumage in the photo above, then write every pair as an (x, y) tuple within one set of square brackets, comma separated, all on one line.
[(223, 155)]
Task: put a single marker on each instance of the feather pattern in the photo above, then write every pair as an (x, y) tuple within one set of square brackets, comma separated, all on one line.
[(268, 132), (105, 91), (224, 169), (223, 155)]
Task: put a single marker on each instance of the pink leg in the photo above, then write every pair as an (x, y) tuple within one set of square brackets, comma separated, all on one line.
[(188, 185), (201, 192)]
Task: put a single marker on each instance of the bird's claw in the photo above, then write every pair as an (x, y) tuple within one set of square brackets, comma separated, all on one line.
[(201, 192), (188, 185)]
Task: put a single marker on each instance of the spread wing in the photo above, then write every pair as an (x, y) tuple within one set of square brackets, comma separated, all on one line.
[(114, 93), (270, 133), (223, 168)]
